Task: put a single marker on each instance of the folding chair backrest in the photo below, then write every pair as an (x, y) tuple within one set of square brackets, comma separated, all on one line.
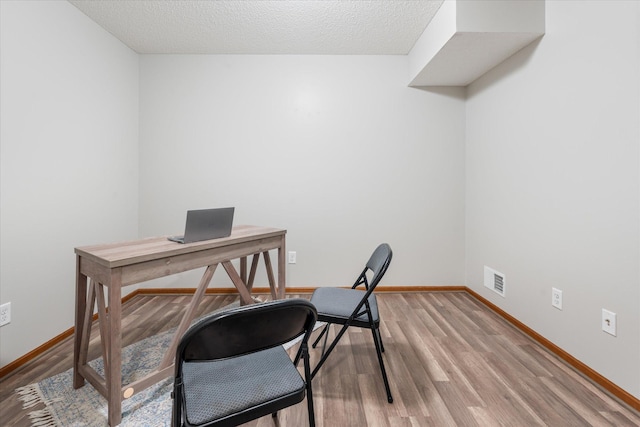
[(247, 329), (377, 264)]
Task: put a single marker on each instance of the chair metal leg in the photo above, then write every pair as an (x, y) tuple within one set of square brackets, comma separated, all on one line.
[(378, 344), (324, 330), (308, 377), (176, 410), (329, 350), (380, 339), (326, 336)]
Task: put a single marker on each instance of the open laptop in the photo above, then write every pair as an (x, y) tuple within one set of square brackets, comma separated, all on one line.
[(206, 224)]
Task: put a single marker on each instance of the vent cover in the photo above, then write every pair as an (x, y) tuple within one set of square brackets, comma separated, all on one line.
[(494, 281)]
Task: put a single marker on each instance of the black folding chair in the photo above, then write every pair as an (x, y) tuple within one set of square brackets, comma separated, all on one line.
[(231, 368), (354, 307)]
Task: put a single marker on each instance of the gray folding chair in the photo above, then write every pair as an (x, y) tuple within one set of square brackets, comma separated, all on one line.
[(231, 368), (354, 307)]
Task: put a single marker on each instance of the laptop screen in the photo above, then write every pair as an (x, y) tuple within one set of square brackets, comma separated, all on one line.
[(206, 224)]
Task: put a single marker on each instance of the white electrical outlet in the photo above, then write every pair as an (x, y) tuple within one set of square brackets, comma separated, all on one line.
[(5, 314), (292, 257), (609, 322), (556, 298)]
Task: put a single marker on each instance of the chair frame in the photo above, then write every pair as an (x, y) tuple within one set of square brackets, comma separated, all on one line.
[(193, 348), (362, 308)]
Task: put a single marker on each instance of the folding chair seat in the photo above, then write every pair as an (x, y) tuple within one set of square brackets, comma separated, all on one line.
[(231, 368), (354, 307)]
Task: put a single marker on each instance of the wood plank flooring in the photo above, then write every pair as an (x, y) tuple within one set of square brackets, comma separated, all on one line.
[(451, 362)]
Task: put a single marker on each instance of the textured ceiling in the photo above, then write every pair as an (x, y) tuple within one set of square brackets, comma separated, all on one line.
[(346, 27)]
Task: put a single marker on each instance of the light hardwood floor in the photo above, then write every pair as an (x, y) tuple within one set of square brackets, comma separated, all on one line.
[(451, 362)]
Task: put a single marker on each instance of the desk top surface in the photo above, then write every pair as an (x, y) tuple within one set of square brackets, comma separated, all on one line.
[(124, 253)]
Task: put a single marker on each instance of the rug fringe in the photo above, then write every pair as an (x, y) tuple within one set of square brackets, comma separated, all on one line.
[(30, 395), (42, 418)]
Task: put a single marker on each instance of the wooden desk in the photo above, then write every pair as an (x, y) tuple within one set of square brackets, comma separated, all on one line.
[(114, 266)]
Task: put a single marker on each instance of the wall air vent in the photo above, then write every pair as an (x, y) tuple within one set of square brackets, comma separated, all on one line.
[(494, 281)]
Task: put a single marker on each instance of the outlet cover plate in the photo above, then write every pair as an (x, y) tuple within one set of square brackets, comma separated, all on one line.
[(5, 314), (609, 322), (556, 298)]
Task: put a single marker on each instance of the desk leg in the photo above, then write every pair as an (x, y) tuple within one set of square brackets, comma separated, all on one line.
[(81, 307), (86, 325), (243, 269), (102, 318), (188, 316), (252, 272), (272, 282), (245, 295), (113, 375)]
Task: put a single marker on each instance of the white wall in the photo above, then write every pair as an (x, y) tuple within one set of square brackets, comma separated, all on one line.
[(552, 182), (336, 149), (69, 160)]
